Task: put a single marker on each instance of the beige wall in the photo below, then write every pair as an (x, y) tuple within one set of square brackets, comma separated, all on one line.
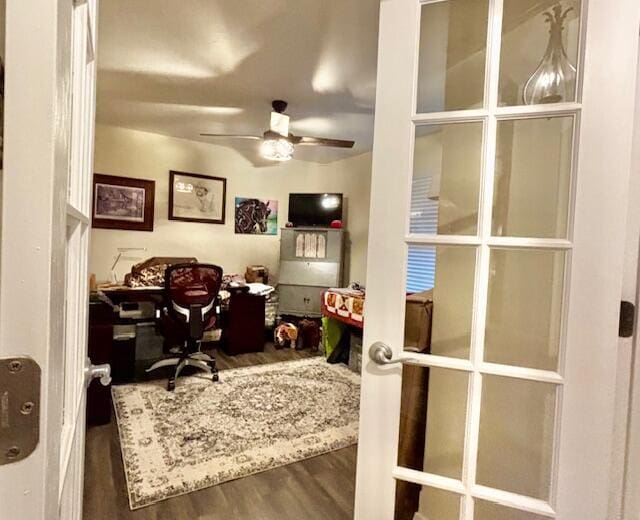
[(144, 155)]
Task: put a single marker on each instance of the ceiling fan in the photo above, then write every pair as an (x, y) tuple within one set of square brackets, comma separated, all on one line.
[(277, 143)]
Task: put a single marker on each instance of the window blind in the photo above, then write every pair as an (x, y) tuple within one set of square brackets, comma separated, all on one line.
[(421, 261)]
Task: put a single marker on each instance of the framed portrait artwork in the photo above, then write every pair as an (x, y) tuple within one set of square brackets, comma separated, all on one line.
[(122, 203), (256, 216), (197, 198)]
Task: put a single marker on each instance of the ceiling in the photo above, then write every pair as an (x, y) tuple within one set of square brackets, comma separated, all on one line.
[(180, 68)]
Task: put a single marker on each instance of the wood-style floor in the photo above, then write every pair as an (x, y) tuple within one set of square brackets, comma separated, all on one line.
[(313, 489)]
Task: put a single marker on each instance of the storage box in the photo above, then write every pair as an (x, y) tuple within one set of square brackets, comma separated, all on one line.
[(417, 324), (257, 274)]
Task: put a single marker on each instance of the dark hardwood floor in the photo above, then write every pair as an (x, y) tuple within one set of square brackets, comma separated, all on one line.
[(313, 489), (269, 355)]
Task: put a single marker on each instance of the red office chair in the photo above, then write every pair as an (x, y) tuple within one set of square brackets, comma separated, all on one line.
[(192, 307)]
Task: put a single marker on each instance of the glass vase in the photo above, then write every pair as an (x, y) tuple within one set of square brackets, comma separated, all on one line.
[(554, 80)]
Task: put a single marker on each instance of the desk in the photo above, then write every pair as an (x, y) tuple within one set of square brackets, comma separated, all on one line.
[(127, 294), (104, 322), (243, 325), (100, 351)]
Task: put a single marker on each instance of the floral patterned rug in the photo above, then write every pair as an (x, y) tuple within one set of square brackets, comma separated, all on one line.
[(252, 420)]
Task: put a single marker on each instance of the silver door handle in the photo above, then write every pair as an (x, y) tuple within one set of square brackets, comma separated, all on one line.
[(382, 354), (92, 372)]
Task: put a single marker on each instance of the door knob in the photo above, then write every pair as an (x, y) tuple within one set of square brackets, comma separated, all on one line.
[(92, 372), (382, 354)]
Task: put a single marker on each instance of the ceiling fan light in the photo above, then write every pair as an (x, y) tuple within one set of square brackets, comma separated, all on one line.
[(276, 149)]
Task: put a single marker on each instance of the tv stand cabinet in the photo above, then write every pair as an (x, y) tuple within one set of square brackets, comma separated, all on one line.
[(311, 261)]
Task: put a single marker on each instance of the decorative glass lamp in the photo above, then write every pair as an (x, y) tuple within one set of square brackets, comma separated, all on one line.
[(555, 78), (277, 149)]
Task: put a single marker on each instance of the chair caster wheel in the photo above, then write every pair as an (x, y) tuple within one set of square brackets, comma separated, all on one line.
[(171, 385), (215, 377)]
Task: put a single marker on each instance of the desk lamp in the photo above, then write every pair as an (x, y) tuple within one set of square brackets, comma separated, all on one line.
[(121, 250)]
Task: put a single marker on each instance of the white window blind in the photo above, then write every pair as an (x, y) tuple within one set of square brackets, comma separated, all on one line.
[(421, 262)]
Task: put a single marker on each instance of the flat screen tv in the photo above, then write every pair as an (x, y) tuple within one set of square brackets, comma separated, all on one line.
[(314, 209)]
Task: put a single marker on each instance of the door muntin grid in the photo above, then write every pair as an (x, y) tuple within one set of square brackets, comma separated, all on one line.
[(487, 239)]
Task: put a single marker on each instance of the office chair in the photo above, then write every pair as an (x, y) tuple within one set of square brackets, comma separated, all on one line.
[(191, 308)]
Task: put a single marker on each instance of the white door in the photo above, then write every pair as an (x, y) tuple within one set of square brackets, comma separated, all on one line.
[(46, 201), (499, 182)]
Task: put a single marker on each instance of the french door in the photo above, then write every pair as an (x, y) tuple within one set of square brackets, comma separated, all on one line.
[(46, 208), (78, 228), (514, 118)]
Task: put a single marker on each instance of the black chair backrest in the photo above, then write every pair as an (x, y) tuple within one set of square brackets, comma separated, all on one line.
[(192, 291)]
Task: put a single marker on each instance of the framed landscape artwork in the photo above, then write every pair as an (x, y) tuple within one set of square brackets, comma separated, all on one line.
[(256, 216), (197, 198), (122, 203)]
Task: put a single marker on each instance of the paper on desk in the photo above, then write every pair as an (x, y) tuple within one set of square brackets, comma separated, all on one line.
[(260, 289)]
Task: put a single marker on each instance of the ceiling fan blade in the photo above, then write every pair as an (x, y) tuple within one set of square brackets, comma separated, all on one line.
[(322, 141), (234, 136)]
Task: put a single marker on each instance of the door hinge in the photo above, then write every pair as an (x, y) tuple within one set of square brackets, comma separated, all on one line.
[(19, 408), (627, 319)]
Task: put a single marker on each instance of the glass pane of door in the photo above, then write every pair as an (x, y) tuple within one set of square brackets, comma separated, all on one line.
[(524, 312), (453, 48), (445, 189), (416, 502), (489, 511), (539, 54), (444, 277), (532, 177), (432, 420), (517, 426)]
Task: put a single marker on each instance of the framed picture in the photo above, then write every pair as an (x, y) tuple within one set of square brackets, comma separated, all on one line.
[(123, 203), (256, 216), (197, 198)]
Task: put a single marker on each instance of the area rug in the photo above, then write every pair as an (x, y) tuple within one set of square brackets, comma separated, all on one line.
[(252, 420)]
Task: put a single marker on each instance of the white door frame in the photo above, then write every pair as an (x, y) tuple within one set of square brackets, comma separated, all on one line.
[(48, 156), (596, 242), (31, 292), (629, 503)]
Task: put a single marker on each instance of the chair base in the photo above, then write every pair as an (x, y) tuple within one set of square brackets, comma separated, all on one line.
[(198, 360)]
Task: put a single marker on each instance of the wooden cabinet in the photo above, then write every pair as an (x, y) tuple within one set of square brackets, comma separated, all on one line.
[(243, 324), (311, 261)]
